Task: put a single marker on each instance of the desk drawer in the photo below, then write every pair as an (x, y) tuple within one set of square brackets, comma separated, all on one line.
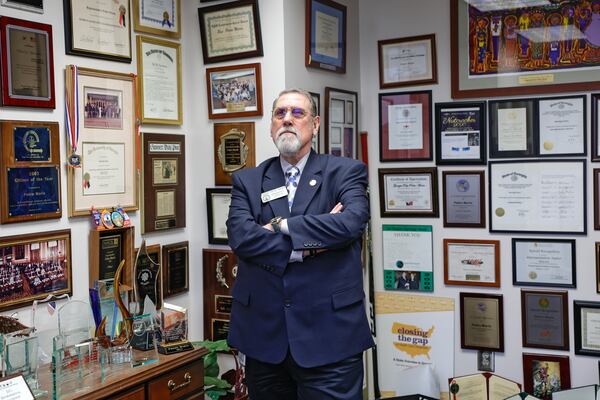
[(135, 394), (178, 383)]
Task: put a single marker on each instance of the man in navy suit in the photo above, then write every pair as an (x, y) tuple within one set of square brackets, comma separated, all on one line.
[(295, 223)]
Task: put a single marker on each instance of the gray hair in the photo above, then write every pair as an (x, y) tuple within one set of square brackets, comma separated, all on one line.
[(313, 105)]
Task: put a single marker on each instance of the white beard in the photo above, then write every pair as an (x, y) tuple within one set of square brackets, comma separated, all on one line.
[(288, 144)]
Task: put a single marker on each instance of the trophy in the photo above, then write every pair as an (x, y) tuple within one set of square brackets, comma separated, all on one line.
[(173, 330)]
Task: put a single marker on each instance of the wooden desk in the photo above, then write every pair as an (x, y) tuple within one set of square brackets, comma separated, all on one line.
[(178, 376)]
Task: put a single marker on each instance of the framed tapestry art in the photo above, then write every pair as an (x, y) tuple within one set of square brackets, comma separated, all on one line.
[(325, 35)]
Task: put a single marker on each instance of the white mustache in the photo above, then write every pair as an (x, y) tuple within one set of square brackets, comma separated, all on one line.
[(289, 129)]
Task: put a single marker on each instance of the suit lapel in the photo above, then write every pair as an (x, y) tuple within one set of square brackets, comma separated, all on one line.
[(310, 181), (274, 179)]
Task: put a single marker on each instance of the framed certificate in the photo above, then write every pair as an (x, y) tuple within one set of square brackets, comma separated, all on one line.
[(159, 69), (562, 126), (481, 322), (463, 199), (544, 374), (405, 126), (217, 202), (460, 137), (596, 186), (538, 196), (325, 35), (27, 66), (234, 149), (595, 127), (586, 319), (408, 192), (597, 247), (341, 122), (482, 386), (27, 5), (175, 268), (98, 29), (472, 262), (513, 128), (159, 17), (230, 31), (408, 61), (316, 139), (408, 257), (106, 116), (234, 91), (545, 319), (544, 262)]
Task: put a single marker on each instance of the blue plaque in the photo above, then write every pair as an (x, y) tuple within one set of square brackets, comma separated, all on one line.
[(32, 144), (33, 191)]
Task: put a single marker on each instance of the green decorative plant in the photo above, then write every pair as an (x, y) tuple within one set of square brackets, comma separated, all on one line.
[(215, 386)]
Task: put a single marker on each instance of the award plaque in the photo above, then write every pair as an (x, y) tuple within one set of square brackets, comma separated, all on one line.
[(219, 271), (30, 171), (234, 149), (110, 255), (107, 249), (175, 269), (173, 330), (163, 182), (147, 286), (481, 322), (545, 319)]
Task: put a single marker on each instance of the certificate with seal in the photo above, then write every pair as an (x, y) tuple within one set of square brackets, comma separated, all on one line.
[(482, 386), (545, 319), (407, 61), (217, 202), (512, 128), (544, 262), (586, 318), (104, 171), (464, 199), (538, 196), (472, 262), (481, 322), (408, 192), (160, 17), (562, 126)]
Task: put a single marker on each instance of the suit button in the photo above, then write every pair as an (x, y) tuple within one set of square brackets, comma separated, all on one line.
[(305, 244), (287, 303)]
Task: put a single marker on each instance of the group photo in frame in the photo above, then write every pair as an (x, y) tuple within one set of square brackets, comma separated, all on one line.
[(408, 61), (481, 321), (325, 44), (408, 192), (341, 122), (158, 17), (545, 319), (234, 91), (217, 203), (463, 199), (544, 262), (544, 374), (460, 133), (586, 322), (470, 262)]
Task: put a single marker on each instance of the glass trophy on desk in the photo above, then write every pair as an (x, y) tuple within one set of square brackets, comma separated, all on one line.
[(173, 330)]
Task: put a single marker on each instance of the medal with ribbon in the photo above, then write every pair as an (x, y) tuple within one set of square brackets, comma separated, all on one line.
[(72, 114)]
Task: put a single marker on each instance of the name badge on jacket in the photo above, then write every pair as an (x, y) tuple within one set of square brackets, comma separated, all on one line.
[(274, 194)]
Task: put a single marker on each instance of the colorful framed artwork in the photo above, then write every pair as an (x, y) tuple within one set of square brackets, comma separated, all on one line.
[(544, 374), (159, 17), (341, 122), (325, 35), (460, 136), (244, 101), (545, 319), (408, 61)]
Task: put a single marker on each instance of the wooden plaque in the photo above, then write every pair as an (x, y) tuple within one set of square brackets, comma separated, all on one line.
[(97, 267), (219, 271), (175, 268), (234, 149)]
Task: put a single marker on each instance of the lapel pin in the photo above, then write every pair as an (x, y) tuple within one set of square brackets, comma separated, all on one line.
[(312, 182)]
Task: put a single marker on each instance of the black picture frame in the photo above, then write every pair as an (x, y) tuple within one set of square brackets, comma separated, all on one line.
[(533, 275), (560, 103), (595, 153), (530, 107), (579, 331), (216, 212), (463, 112)]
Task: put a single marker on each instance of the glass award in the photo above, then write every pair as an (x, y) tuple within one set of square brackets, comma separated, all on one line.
[(142, 338), (147, 285), (173, 330)]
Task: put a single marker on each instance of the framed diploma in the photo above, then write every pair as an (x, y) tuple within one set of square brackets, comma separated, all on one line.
[(159, 90), (27, 66), (408, 192), (163, 182), (98, 29), (595, 127), (408, 61), (107, 137), (408, 257), (463, 199), (586, 319), (341, 122), (481, 322), (482, 386), (562, 126), (217, 202), (545, 319), (544, 262), (405, 126), (544, 374), (234, 149), (325, 35), (538, 196), (30, 171), (596, 173), (513, 128), (316, 139), (219, 269), (175, 268), (27, 5), (234, 91), (159, 17), (230, 31), (40, 265), (472, 262), (460, 137)]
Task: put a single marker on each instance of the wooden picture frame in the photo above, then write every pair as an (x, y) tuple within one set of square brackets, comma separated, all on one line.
[(246, 104), (513, 128), (545, 373), (175, 268), (463, 199), (408, 61), (470, 262), (544, 262), (234, 149), (321, 50), (341, 135), (217, 203), (409, 138), (408, 192), (545, 319), (161, 18), (481, 321), (460, 133)]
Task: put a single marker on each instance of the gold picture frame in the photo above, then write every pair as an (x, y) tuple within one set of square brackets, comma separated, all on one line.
[(165, 21)]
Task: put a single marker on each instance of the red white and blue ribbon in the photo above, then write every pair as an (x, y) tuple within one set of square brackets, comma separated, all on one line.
[(72, 113)]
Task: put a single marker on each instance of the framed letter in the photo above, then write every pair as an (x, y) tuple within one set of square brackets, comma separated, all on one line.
[(545, 319), (544, 262), (325, 35), (472, 262)]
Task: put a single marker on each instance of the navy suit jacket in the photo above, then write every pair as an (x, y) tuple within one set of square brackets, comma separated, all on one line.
[(314, 308)]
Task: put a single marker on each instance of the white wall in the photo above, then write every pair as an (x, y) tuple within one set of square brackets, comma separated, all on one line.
[(387, 19)]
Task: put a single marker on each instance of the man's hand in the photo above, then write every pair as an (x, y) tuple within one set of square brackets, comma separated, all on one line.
[(337, 209), (269, 227)]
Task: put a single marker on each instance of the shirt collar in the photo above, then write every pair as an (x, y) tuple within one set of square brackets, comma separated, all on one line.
[(300, 165)]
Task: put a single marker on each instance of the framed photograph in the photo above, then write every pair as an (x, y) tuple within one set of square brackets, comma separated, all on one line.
[(595, 127), (405, 126), (325, 35), (106, 142), (408, 257), (217, 202), (544, 262), (460, 137), (27, 66), (486, 360), (159, 89), (538, 196), (316, 140), (234, 91), (341, 123), (98, 29), (30, 171), (463, 199), (159, 17), (230, 31), (490, 58), (175, 268), (472, 262), (545, 319), (481, 322), (586, 318), (27, 5), (544, 374), (34, 266), (234, 149), (562, 126), (513, 128), (408, 61), (408, 192)]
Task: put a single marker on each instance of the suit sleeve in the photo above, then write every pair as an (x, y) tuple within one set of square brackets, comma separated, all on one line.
[(332, 231), (248, 239)]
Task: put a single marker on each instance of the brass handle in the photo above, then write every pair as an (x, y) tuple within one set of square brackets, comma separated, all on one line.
[(174, 387)]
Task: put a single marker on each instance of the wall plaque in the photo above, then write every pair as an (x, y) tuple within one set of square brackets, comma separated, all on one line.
[(219, 271), (234, 149), (175, 268)]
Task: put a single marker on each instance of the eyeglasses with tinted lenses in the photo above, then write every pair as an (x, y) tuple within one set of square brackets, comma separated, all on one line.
[(297, 112)]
